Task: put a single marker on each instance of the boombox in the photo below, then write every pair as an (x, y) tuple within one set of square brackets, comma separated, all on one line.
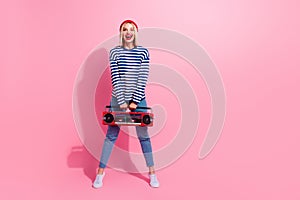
[(123, 118)]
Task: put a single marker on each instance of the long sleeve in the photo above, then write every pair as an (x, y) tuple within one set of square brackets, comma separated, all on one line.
[(116, 78), (142, 78)]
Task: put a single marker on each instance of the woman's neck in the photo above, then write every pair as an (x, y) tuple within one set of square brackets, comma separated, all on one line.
[(128, 45)]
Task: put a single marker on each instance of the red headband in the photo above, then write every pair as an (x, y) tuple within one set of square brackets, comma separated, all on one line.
[(129, 21)]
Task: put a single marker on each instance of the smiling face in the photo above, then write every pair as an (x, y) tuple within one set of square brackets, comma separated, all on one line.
[(128, 34)]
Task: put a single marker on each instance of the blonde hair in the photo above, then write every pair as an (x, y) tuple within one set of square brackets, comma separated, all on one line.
[(121, 40)]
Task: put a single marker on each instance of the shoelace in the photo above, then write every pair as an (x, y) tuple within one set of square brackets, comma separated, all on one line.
[(153, 178), (98, 179)]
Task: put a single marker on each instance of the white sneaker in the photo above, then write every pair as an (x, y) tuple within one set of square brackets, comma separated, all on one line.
[(98, 181), (153, 181)]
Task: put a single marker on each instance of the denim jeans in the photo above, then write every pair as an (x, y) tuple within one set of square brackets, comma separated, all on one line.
[(113, 132)]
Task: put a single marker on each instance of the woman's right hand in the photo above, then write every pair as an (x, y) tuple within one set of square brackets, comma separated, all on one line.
[(124, 106)]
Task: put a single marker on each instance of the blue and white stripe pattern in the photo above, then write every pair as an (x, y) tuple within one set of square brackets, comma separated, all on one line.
[(129, 73)]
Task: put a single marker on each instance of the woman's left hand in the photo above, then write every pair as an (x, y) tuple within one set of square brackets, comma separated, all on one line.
[(132, 106)]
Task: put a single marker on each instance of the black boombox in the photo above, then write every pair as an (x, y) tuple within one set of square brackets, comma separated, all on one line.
[(123, 118)]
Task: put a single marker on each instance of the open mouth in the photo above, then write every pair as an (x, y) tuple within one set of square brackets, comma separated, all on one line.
[(128, 36)]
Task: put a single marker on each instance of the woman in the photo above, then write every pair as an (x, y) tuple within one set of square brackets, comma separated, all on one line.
[(129, 65)]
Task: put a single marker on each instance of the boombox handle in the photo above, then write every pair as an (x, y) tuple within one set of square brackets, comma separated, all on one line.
[(148, 108)]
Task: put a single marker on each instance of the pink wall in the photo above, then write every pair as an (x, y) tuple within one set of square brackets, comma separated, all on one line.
[(254, 45)]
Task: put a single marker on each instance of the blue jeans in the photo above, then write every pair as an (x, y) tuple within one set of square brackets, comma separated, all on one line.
[(113, 132)]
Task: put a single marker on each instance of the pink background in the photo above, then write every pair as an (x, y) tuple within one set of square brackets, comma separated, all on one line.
[(255, 45)]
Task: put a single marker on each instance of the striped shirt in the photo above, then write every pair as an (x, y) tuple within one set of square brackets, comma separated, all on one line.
[(129, 73)]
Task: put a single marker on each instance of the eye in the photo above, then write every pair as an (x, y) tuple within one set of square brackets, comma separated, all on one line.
[(124, 29)]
